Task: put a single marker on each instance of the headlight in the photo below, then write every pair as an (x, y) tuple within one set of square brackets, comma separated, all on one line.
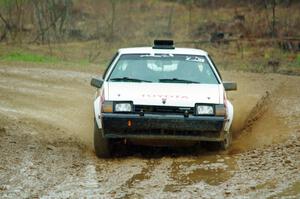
[(204, 110), (123, 107)]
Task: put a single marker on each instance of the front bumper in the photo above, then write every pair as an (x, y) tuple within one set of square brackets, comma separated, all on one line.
[(154, 126)]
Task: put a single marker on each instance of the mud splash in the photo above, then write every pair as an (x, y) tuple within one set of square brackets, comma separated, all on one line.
[(257, 112)]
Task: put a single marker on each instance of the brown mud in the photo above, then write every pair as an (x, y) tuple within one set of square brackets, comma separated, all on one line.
[(46, 138)]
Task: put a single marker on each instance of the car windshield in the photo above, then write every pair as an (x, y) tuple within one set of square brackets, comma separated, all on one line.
[(164, 68)]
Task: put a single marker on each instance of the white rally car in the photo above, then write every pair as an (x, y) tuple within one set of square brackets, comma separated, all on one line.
[(161, 92)]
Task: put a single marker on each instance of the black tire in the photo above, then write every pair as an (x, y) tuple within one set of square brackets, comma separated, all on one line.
[(103, 146), (225, 144)]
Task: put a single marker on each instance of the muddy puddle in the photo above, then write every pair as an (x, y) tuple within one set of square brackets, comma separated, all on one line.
[(212, 170), (46, 138)]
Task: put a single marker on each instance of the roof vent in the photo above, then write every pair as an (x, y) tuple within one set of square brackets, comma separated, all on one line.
[(163, 44)]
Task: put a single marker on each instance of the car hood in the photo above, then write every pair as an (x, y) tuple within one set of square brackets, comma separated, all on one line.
[(165, 94)]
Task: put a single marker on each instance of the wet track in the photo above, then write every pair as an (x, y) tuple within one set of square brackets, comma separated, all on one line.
[(46, 138)]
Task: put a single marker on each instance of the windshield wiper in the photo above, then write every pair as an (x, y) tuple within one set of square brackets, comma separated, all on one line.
[(128, 79), (176, 80)]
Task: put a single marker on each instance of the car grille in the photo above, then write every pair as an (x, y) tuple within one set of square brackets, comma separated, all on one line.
[(163, 109)]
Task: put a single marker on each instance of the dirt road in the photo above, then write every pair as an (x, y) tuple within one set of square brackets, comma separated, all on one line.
[(46, 138)]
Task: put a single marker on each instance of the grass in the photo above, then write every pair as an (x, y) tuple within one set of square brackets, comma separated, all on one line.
[(255, 58), (28, 57), (24, 57)]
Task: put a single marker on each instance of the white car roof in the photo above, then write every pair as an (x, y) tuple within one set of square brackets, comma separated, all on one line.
[(182, 51)]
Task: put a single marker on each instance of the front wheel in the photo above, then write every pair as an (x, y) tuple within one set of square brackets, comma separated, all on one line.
[(225, 144), (103, 146)]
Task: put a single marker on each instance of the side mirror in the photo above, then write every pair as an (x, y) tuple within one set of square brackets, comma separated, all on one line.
[(96, 82), (230, 86)]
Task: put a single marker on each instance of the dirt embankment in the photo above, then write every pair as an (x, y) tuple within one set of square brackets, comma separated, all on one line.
[(46, 138)]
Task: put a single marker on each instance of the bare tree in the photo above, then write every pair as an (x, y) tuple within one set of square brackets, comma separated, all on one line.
[(272, 25), (11, 16), (51, 16), (190, 7), (273, 18), (170, 20)]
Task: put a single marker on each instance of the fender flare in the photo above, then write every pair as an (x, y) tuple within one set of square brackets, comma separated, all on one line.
[(97, 112), (229, 116)]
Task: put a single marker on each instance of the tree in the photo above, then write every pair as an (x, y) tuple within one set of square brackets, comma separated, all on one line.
[(11, 13), (52, 17)]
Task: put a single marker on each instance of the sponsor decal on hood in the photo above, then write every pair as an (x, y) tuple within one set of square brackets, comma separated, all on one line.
[(168, 94)]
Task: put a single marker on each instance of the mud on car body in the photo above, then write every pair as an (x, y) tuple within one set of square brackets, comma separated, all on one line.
[(161, 92)]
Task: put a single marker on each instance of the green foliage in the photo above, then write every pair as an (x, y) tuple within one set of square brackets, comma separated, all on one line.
[(6, 3), (28, 57), (11, 3)]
